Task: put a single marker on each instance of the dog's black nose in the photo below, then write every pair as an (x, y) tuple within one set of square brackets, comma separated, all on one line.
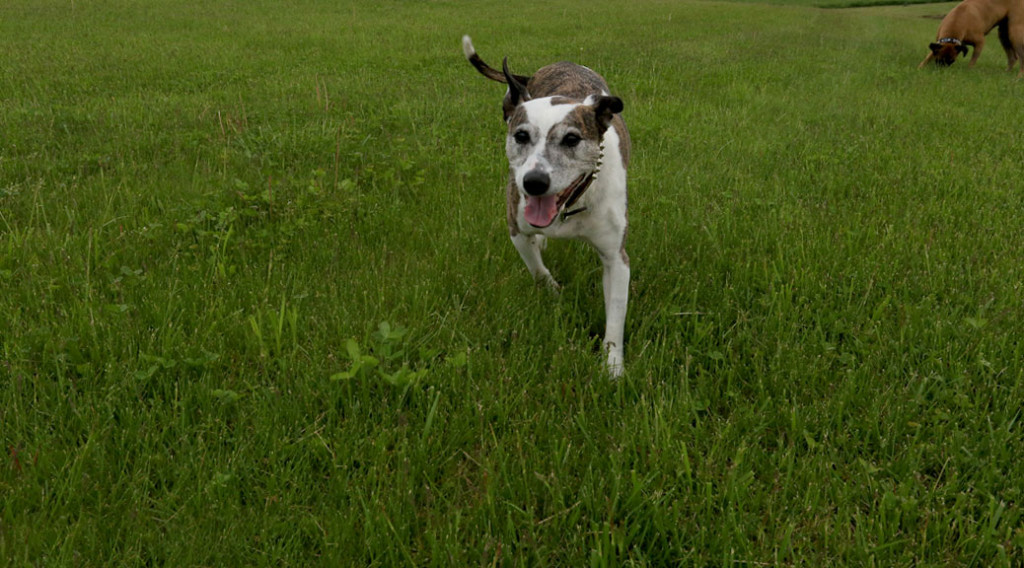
[(536, 182)]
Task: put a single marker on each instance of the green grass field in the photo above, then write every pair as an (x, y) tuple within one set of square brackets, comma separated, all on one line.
[(258, 305)]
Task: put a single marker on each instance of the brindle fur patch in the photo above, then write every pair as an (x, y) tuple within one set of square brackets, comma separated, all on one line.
[(565, 79), (590, 129), (624, 143), (512, 207), (517, 117), (583, 117)]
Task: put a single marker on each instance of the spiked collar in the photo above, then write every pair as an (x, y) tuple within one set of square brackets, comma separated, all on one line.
[(951, 40)]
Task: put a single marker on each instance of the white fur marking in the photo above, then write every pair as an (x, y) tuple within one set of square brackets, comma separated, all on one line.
[(544, 115)]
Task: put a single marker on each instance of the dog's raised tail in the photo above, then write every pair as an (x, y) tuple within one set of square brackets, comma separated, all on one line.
[(485, 69)]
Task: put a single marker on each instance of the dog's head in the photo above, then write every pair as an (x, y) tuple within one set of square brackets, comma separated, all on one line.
[(554, 146), (945, 51)]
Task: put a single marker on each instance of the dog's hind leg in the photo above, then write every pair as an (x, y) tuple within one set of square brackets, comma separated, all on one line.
[(1015, 39), (530, 247), (1007, 43)]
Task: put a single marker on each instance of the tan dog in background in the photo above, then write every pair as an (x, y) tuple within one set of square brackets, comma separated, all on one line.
[(967, 24)]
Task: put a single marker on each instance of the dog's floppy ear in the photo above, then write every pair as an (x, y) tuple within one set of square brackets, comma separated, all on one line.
[(962, 49), (935, 47), (516, 91), (606, 108)]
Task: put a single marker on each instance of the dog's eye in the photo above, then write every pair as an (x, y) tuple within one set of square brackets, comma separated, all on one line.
[(522, 137), (570, 140)]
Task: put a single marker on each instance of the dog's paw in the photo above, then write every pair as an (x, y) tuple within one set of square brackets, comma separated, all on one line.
[(615, 363), (545, 279)]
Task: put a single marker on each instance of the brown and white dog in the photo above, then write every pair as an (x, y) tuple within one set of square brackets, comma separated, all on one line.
[(568, 150), (969, 22)]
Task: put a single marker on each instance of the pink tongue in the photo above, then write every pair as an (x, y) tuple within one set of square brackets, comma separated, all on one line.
[(541, 211)]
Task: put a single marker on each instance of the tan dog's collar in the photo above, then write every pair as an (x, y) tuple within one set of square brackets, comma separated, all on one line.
[(951, 40)]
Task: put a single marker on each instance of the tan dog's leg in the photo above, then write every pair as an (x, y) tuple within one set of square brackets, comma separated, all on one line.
[(931, 55), (1008, 47), (977, 51), (1015, 37)]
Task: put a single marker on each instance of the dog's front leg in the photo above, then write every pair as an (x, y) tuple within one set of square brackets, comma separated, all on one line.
[(977, 51), (530, 247), (615, 280)]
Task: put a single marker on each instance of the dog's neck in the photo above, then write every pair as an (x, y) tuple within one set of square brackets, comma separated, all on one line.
[(591, 178)]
